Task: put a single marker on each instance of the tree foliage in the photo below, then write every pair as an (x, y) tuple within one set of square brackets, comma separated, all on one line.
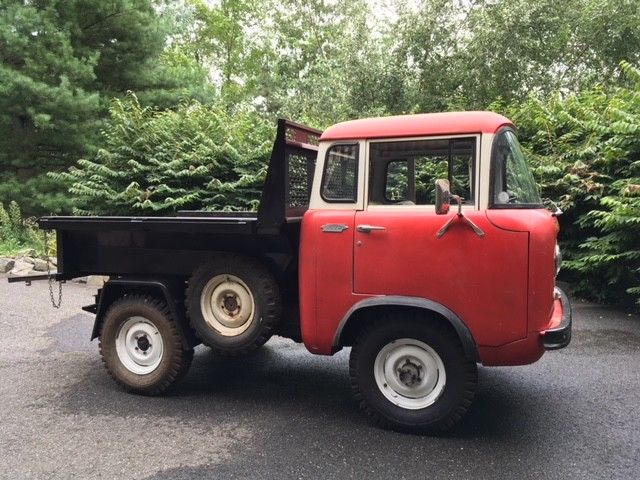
[(586, 152), (17, 232), (61, 62), (470, 54), (211, 76), (316, 61), (157, 162)]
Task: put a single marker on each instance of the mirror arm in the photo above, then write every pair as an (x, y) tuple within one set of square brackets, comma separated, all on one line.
[(458, 200), (445, 227), (477, 230)]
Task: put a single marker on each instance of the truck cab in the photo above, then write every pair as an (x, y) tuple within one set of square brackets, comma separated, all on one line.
[(373, 238), (419, 241)]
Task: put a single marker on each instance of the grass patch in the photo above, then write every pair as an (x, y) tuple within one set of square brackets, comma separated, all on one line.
[(19, 235)]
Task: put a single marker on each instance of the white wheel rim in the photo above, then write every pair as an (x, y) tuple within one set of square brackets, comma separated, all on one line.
[(409, 373), (227, 305), (139, 345)]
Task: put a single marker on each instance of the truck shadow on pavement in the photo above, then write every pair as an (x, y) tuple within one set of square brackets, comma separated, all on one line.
[(285, 385)]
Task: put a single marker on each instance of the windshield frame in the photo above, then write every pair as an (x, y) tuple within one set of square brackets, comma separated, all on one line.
[(492, 177)]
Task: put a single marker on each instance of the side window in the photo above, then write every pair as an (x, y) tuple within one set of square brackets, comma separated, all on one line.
[(428, 170), (397, 184), (404, 172), (340, 177), (461, 173)]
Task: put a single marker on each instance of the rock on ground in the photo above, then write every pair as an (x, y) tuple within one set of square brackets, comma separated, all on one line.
[(21, 267), (96, 281), (39, 265), (6, 264), (25, 265)]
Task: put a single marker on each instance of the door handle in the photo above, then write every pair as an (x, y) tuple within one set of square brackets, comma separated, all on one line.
[(369, 228)]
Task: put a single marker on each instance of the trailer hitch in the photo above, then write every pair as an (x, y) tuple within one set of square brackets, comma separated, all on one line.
[(27, 279)]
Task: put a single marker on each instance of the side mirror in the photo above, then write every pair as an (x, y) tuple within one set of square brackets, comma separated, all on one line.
[(443, 196), (550, 205), (443, 201)]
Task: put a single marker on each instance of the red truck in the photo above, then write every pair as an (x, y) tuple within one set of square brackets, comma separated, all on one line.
[(420, 241)]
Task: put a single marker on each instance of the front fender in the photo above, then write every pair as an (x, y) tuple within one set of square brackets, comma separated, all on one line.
[(468, 342)]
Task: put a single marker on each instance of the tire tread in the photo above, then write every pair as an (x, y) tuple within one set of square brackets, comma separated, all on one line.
[(435, 428), (270, 317), (180, 362)]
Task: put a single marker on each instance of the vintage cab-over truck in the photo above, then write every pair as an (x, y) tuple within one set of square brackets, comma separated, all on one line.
[(420, 241)]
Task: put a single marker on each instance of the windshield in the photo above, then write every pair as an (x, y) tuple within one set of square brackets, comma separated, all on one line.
[(513, 183)]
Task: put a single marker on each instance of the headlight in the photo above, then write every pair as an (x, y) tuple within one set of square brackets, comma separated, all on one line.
[(558, 258)]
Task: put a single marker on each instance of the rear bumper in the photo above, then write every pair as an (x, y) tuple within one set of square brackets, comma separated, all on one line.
[(559, 336)]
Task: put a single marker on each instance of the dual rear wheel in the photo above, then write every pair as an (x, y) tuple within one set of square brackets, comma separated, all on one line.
[(233, 305)]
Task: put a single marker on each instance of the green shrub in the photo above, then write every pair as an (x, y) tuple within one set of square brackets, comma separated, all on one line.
[(157, 162), (37, 195), (18, 233), (585, 149)]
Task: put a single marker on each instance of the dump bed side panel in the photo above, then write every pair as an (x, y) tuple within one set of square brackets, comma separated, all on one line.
[(104, 249)]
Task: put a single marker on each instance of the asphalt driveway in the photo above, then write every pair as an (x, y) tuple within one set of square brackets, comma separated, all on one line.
[(284, 413)]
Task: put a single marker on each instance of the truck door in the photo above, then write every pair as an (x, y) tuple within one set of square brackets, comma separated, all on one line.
[(326, 244), (397, 251)]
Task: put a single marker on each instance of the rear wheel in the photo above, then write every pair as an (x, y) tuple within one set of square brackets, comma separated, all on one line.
[(141, 346), (233, 304), (412, 375)]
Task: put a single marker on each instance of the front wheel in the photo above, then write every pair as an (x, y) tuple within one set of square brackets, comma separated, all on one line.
[(412, 375)]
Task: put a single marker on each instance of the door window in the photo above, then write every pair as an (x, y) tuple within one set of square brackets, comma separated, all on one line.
[(404, 172)]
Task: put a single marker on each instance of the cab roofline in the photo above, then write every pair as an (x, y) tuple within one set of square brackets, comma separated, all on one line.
[(424, 124)]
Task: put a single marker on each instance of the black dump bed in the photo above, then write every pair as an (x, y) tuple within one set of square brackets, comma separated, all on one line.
[(174, 246)]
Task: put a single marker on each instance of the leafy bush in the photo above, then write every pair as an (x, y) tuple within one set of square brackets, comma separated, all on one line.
[(18, 233), (157, 162), (586, 152), (37, 195)]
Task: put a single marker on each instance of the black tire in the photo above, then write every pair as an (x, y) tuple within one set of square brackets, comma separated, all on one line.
[(266, 312), (174, 360), (460, 373)]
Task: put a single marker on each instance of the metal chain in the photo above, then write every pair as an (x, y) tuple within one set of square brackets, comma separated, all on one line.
[(46, 253)]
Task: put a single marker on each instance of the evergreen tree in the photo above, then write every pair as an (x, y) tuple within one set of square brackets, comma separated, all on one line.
[(61, 62)]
